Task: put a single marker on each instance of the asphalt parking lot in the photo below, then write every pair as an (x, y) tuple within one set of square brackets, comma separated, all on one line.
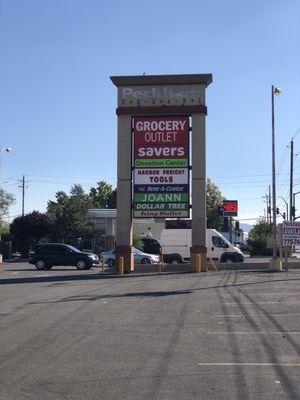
[(68, 334)]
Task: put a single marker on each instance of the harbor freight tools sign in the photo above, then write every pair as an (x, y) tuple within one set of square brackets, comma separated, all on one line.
[(161, 167), (230, 208), (291, 233)]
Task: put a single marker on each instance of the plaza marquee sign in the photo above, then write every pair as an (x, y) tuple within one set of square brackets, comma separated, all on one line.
[(161, 167)]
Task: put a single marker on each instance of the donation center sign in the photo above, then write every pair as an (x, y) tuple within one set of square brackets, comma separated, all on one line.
[(161, 167)]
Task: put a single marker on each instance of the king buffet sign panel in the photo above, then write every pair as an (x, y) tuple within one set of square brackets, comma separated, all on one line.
[(161, 167)]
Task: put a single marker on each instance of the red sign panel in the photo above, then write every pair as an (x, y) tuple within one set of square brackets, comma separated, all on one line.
[(165, 137), (230, 208)]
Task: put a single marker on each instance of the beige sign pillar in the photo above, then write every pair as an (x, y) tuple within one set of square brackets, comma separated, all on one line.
[(198, 191), (124, 220), (161, 95)]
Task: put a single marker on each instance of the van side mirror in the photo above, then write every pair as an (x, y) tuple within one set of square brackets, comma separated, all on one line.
[(225, 245)]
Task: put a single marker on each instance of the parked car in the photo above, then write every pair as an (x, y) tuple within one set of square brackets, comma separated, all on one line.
[(46, 255), (152, 246), (139, 257)]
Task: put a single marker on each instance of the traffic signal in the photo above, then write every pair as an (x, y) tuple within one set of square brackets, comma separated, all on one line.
[(277, 211), (283, 215), (269, 210), (293, 212), (225, 224), (220, 211)]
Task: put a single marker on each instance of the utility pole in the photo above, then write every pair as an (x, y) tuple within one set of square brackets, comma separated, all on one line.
[(270, 204), (23, 195), (275, 91), (22, 186), (291, 180)]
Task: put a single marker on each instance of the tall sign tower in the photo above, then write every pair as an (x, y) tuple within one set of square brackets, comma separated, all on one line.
[(157, 161)]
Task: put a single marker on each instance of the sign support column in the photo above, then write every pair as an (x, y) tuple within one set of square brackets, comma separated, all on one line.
[(198, 192), (124, 246)]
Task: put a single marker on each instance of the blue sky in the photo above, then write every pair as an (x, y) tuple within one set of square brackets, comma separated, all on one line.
[(57, 102)]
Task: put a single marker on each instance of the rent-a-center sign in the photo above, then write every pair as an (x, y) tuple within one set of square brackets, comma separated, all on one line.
[(161, 167)]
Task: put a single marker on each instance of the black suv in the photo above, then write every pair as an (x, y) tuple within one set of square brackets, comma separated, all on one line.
[(46, 255)]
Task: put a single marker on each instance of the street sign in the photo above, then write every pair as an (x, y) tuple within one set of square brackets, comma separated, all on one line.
[(230, 208), (291, 233)]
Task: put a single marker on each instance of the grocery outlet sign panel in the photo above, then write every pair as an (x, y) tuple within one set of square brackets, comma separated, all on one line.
[(161, 167)]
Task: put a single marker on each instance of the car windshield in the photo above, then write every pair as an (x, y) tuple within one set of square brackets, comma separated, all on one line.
[(73, 248), (137, 251)]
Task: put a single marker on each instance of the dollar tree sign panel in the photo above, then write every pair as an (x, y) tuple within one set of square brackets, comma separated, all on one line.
[(161, 167)]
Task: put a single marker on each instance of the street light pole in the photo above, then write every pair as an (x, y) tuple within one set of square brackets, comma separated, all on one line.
[(275, 91), (291, 180)]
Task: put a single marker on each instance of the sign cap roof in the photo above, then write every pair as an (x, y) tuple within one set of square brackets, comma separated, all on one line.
[(204, 79)]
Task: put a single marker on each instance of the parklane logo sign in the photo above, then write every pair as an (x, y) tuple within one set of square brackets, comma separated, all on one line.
[(159, 93)]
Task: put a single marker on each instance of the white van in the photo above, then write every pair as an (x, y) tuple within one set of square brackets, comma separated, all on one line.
[(177, 243)]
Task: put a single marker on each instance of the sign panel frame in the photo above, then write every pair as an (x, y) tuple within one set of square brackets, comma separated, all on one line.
[(161, 165), (291, 233)]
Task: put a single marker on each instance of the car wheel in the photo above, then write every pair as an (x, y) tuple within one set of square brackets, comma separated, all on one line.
[(81, 264), (145, 261), (40, 264), (111, 262)]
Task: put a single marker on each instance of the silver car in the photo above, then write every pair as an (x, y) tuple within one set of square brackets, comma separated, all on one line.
[(139, 257)]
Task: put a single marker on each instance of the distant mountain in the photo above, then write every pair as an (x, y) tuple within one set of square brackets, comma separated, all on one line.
[(246, 227)]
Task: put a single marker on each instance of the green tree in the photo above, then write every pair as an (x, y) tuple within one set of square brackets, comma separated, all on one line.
[(68, 215), (214, 200), (103, 195), (112, 199), (259, 239), (262, 229), (4, 228), (6, 200), (29, 230)]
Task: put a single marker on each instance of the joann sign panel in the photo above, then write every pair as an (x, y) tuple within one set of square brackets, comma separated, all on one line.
[(161, 167)]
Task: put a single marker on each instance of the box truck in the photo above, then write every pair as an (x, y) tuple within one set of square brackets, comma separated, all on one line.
[(176, 243)]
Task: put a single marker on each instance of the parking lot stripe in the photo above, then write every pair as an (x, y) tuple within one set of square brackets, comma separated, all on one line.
[(249, 302), (247, 365), (252, 333), (255, 315)]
